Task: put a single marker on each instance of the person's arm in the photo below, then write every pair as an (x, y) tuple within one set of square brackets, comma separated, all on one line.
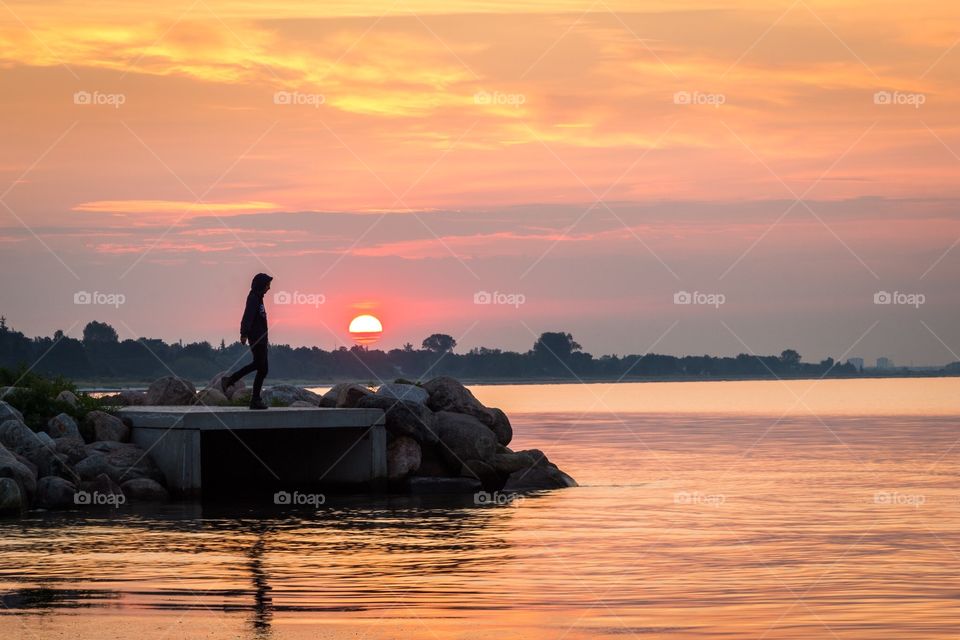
[(246, 322)]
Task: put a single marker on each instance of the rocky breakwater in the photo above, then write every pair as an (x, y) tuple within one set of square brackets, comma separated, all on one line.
[(441, 438), (71, 465)]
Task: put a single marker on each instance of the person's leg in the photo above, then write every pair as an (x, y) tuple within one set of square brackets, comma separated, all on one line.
[(233, 377), (260, 363)]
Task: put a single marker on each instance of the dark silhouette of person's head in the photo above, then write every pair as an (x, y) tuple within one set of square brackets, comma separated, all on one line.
[(261, 283)]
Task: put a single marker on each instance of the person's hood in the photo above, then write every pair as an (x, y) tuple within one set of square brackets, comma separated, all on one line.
[(260, 282)]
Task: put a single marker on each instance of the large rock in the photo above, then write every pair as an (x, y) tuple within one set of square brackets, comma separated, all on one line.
[(403, 457), (404, 418), (236, 388), (38, 449), (12, 468), (171, 390), (119, 461), (9, 412), (69, 397), (144, 490), (12, 499), (131, 398), (303, 404), (107, 427), (345, 394), (500, 425), (72, 448), (447, 394), (210, 397), (542, 474), (18, 437), (463, 438), (55, 493), (406, 392), (101, 491), (62, 425), (287, 394)]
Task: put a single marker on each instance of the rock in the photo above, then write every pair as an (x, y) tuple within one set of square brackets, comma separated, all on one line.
[(346, 394), (108, 427), (421, 485), (29, 465), (71, 448), (463, 437), (212, 398), (38, 449), (404, 418), (119, 461), (287, 394), (18, 437), (502, 430), (62, 425), (303, 404), (102, 491), (55, 493), (507, 463), (237, 387), (130, 397), (433, 464), (144, 490), (12, 468), (403, 457), (543, 474), (406, 392), (484, 472), (171, 390), (9, 412), (11, 496), (447, 394), (68, 397), (239, 391)]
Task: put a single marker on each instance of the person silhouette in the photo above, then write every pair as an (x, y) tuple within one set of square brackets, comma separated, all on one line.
[(253, 328)]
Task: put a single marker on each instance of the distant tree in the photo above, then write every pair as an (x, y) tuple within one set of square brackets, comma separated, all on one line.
[(552, 345), (223, 345), (439, 343), (58, 334), (3, 323), (789, 358), (96, 332), (407, 347)]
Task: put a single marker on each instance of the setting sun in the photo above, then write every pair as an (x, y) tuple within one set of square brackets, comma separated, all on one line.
[(365, 329)]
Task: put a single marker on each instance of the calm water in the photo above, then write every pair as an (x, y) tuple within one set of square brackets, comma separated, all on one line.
[(747, 516)]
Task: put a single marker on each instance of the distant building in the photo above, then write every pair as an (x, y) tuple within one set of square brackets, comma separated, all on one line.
[(856, 362), (884, 363)]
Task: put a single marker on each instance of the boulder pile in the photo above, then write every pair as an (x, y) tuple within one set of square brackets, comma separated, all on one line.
[(69, 466), (440, 437)]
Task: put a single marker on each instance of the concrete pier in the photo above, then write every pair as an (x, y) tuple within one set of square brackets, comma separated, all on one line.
[(219, 450)]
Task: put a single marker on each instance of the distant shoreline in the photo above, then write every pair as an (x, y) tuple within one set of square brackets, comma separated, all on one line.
[(110, 386)]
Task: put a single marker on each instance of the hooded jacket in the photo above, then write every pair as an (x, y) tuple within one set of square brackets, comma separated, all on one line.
[(253, 325)]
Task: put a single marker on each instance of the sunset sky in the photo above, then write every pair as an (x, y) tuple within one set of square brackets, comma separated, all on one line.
[(591, 159)]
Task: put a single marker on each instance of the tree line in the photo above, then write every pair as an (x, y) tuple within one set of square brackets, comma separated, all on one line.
[(101, 356)]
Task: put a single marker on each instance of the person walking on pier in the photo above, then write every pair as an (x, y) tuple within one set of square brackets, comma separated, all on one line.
[(253, 328)]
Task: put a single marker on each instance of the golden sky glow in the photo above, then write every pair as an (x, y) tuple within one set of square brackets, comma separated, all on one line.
[(146, 130)]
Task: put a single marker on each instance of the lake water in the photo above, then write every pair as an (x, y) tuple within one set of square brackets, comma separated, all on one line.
[(706, 510)]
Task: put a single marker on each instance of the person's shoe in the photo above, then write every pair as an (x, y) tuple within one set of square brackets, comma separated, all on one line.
[(257, 405)]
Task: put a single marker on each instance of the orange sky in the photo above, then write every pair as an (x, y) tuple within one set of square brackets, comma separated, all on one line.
[(467, 144)]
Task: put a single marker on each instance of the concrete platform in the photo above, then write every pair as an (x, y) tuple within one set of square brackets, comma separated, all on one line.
[(216, 450)]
